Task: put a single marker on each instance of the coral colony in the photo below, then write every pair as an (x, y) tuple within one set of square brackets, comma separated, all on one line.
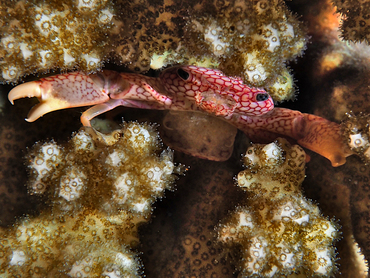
[(280, 232), (225, 59), (100, 189)]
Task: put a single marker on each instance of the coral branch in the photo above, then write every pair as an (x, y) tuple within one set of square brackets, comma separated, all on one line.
[(100, 188), (280, 232)]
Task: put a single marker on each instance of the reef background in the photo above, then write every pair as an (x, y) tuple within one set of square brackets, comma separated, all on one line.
[(180, 241)]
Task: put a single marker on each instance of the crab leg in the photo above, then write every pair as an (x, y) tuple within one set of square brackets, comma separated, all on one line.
[(96, 110), (99, 109), (312, 132)]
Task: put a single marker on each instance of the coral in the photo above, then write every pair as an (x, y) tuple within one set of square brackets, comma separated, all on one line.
[(15, 137), (356, 131), (356, 21), (341, 193), (251, 39), (99, 189), (110, 173), (279, 232), (37, 36), (84, 244), (181, 241)]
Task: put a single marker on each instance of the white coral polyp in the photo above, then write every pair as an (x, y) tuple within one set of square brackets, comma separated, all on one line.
[(245, 219), (83, 141), (272, 37), (125, 260), (44, 22), (18, 258), (87, 4), (91, 59), (112, 272), (292, 211), (158, 176), (72, 184), (123, 186), (141, 207), (286, 256), (253, 158), (140, 137), (105, 16), (273, 153), (81, 269), (10, 73), (116, 158), (323, 262), (254, 69), (47, 157), (45, 57), (256, 255), (9, 43), (213, 35), (358, 141)]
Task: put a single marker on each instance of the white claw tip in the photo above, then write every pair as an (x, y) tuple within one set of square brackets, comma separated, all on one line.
[(29, 89), (29, 120)]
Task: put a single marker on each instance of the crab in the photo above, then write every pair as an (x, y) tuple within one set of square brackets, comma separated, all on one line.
[(186, 88)]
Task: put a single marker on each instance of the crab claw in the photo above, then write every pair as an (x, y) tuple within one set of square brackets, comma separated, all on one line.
[(58, 92), (29, 89), (33, 89)]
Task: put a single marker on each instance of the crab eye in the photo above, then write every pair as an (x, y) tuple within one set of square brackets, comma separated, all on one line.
[(183, 74), (262, 97)]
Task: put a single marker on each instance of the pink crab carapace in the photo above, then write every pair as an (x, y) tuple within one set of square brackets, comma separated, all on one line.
[(186, 88)]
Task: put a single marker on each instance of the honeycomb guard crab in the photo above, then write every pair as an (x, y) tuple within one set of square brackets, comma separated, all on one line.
[(186, 88)]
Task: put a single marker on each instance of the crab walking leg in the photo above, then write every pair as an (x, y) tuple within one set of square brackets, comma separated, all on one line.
[(96, 110), (310, 131)]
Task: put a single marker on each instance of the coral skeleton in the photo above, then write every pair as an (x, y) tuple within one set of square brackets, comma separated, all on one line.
[(99, 188), (279, 232)]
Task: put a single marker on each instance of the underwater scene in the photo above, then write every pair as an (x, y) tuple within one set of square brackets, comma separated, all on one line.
[(167, 138)]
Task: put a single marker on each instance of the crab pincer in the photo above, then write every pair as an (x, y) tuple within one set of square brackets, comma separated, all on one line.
[(58, 92), (106, 90)]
